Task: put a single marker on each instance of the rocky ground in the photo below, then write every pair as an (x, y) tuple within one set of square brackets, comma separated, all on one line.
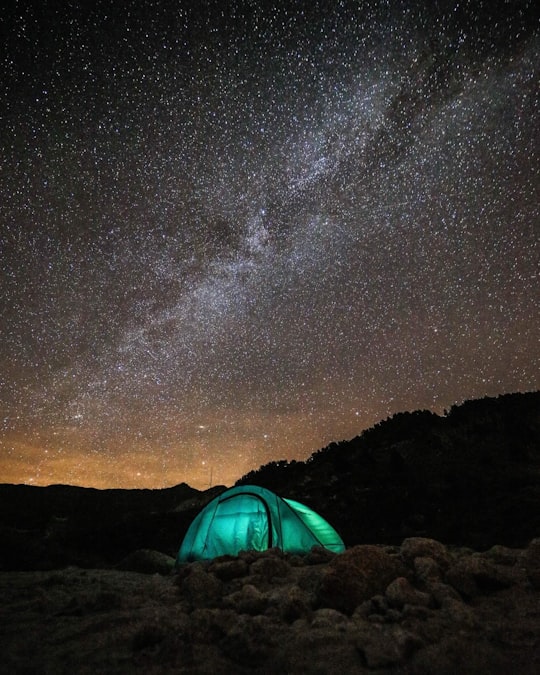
[(418, 608)]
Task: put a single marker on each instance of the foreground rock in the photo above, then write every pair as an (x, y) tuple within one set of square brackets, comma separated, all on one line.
[(356, 575), (420, 608)]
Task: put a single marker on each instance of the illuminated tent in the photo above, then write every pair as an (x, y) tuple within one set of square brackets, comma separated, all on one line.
[(251, 518)]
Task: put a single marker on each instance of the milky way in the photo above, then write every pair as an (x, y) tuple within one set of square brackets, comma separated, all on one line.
[(233, 232)]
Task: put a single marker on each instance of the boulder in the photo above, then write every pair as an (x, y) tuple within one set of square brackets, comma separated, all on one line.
[(290, 603), (463, 654), (357, 575), (502, 555), (401, 592), (270, 567), (384, 646), (426, 570), (441, 592), (474, 575), (248, 600), (227, 570), (318, 556), (207, 626), (379, 604), (249, 641), (531, 561), (328, 617), (199, 587), (416, 547), (459, 613), (251, 556), (147, 562)]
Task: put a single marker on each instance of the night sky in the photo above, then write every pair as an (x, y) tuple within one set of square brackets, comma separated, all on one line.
[(233, 232)]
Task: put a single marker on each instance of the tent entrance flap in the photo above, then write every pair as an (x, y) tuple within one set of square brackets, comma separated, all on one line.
[(240, 523)]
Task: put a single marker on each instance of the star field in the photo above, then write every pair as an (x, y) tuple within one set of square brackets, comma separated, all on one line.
[(235, 232)]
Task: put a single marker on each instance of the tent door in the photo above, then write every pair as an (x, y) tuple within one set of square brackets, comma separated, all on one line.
[(241, 523)]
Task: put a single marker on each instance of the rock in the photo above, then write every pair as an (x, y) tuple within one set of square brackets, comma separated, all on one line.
[(363, 610), (427, 570), (459, 612), (473, 575), (248, 600), (464, 655), (440, 592), (357, 575), (531, 561), (417, 611), (327, 647), (128, 622), (248, 641), (210, 625), (308, 578), (229, 569), (400, 592), (270, 567), (393, 616), (328, 617), (376, 618), (290, 603), (147, 562), (148, 637), (251, 556), (416, 547), (502, 555), (199, 587), (462, 580), (385, 646), (318, 556), (379, 604), (296, 561)]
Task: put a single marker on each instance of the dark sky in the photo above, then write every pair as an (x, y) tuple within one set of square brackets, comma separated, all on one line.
[(232, 232)]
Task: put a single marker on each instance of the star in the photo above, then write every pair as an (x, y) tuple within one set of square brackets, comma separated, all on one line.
[(232, 235)]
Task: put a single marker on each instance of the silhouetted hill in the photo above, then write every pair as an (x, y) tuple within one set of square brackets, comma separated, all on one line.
[(32, 507), (470, 477), (47, 527)]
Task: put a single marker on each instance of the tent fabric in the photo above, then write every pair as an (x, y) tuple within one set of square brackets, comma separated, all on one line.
[(249, 517)]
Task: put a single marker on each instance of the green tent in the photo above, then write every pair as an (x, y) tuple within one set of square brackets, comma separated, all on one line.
[(249, 517)]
